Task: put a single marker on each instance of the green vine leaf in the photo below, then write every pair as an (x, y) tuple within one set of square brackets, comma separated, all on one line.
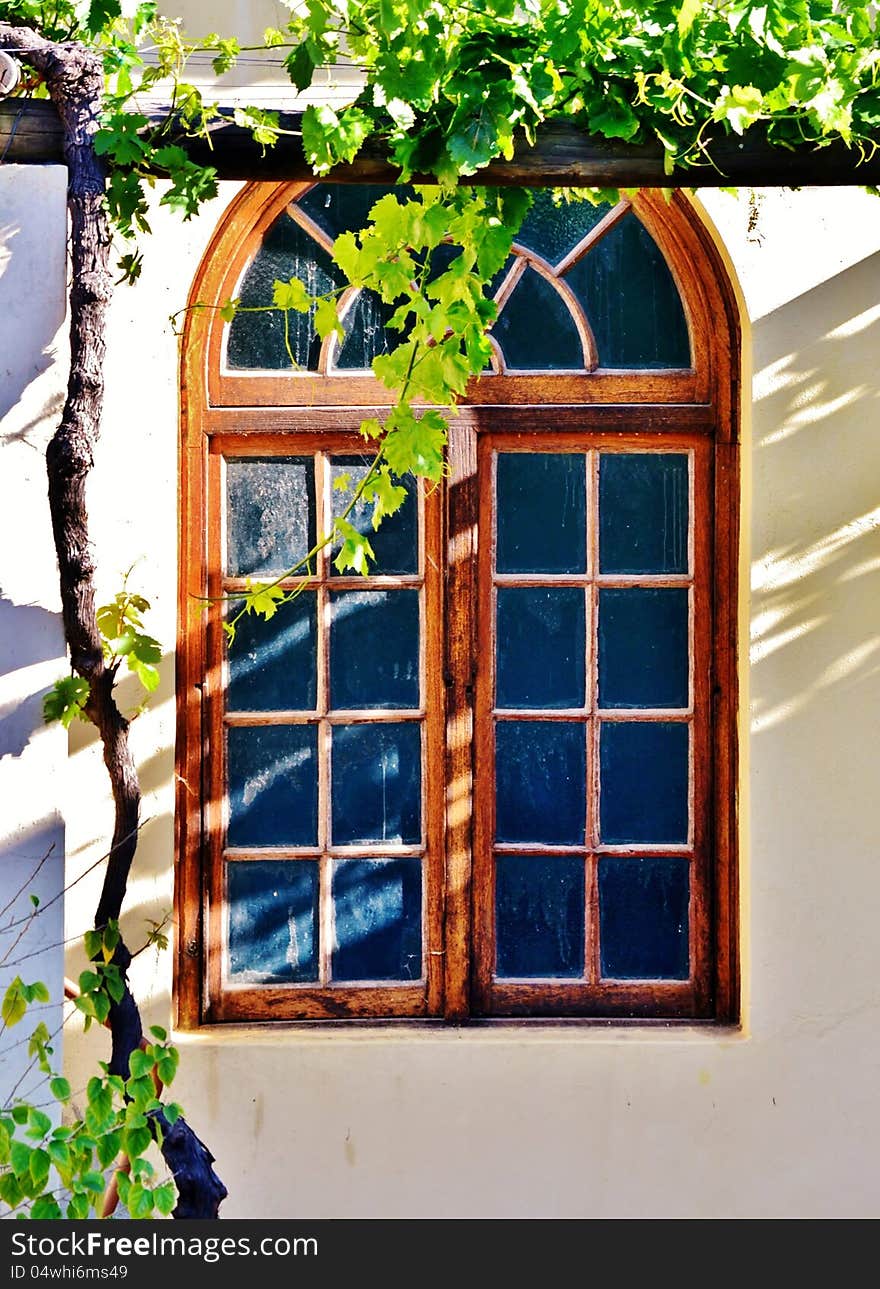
[(291, 295), (66, 701), (355, 552), (14, 1003), (300, 65)]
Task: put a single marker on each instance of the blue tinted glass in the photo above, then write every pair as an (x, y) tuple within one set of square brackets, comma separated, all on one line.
[(631, 300), (374, 649), (273, 919), (272, 665), (342, 208), (539, 915), (643, 647), (553, 230), (540, 647), (365, 335), (270, 513), (644, 782), (542, 507), (256, 340), (643, 918), (442, 258), (377, 906), (540, 785), (377, 783), (552, 344), (273, 785), (395, 542), (643, 512)]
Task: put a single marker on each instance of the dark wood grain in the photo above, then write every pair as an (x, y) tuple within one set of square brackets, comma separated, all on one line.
[(563, 156)]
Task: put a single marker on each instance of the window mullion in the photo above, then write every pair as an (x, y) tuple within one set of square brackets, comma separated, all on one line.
[(461, 549)]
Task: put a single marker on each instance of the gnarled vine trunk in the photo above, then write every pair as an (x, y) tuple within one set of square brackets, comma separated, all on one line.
[(74, 78)]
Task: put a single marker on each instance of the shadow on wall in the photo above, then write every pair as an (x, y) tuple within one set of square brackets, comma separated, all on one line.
[(34, 351), (816, 529), (31, 657), (815, 646)]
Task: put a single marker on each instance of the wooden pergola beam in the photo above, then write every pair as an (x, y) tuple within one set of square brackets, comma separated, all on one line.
[(563, 156)]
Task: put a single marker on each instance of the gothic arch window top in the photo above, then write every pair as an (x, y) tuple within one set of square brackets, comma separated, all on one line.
[(592, 275), (597, 304)]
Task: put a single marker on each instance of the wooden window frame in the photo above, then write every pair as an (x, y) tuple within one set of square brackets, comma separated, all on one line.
[(695, 410)]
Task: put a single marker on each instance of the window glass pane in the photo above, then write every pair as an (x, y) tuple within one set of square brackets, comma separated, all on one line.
[(270, 513), (395, 543), (643, 647), (442, 259), (341, 208), (272, 665), (552, 231), (643, 918), (256, 340), (631, 300), (643, 512), (539, 915), (374, 649), (540, 647), (377, 906), (365, 334), (273, 785), (273, 918), (377, 782), (541, 792), (644, 782), (541, 513), (535, 329)]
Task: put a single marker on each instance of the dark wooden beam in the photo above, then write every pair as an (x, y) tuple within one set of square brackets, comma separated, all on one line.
[(563, 156)]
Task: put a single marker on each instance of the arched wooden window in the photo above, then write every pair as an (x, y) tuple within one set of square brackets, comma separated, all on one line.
[(497, 775)]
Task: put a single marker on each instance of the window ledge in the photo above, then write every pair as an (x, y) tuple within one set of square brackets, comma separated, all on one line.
[(490, 1032)]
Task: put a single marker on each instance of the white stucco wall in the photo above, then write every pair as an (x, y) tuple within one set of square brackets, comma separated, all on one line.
[(776, 1120), (32, 654)]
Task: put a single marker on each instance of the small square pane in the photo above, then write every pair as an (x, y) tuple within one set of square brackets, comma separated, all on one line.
[(643, 918), (539, 916), (272, 772), (540, 642), (270, 514), (643, 512), (377, 912), (644, 782), (395, 542), (374, 649), (377, 784), (273, 664), (273, 921), (643, 646), (540, 784), (542, 509)]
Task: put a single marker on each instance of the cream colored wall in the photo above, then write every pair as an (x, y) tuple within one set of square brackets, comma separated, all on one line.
[(570, 1120)]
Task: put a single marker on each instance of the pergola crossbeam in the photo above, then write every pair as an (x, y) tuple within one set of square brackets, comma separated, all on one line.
[(562, 156)]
